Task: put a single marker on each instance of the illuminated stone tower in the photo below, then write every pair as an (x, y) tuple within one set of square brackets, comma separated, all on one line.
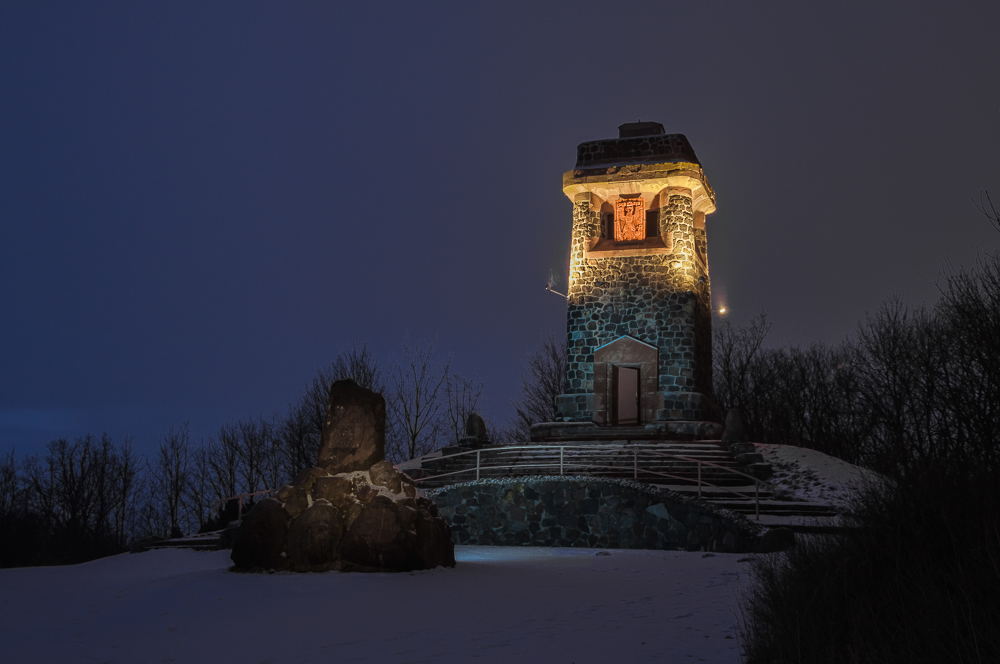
[(639, 319)]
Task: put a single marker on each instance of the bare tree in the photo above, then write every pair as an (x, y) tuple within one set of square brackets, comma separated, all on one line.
[(224, 461), (985, 205), (462, 397), (80, 498), (126, 492), (545, 379), (10, 486), (733, 351), (169, 478), (415, 409), (199, 496)]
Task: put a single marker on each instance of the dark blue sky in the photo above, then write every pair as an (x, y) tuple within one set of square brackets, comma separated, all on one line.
[(201, 203)]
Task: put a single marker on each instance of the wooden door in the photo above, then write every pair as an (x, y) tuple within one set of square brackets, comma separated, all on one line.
[(627, 395)]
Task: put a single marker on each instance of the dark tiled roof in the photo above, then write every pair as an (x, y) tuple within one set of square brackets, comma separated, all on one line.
[(636, 150)]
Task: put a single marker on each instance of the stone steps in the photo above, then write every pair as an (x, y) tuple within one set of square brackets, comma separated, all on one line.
[(619, 457), (199, 542)]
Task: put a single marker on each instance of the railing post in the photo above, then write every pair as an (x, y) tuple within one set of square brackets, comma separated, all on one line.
[(477, 465), (561, 449), (699, 480), (635, 463)]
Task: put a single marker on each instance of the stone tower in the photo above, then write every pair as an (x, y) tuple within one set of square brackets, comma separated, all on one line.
[(639, 319)]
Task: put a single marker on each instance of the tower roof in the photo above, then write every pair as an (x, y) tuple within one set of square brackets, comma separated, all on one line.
[(637, 143), (642, 160)]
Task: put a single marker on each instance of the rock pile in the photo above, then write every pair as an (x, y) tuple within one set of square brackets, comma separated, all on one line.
[(353, 511)]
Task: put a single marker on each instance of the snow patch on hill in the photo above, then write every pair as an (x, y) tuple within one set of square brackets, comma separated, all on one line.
[(808, 475)]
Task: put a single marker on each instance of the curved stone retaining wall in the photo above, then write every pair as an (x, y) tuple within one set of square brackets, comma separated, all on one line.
[(587, 512)]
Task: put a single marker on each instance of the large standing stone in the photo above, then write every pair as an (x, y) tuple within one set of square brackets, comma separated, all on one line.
[(734, 432), (314, 536), (354, 432), (260, 539), (378, 539), (475, 427)]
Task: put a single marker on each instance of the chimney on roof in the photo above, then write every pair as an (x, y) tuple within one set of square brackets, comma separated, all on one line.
[(633, 129)]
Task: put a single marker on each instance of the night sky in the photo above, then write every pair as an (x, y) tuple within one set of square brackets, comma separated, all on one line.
[(202, 203)]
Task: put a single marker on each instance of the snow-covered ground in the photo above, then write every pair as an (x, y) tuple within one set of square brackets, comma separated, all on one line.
[(500, 604), (804, 474)]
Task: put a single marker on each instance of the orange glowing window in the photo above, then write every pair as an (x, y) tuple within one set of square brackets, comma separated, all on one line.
[(630, 219)]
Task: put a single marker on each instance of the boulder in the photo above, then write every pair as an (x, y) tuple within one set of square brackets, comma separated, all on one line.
[(351, 513), (227, 537), (383, 474), (354, 431), (339, 490), (307, 476), (378, 539), (365, 492), (261, 537), (314, 536), (426, 504), (284, 492), (434, 543), (297, 502)]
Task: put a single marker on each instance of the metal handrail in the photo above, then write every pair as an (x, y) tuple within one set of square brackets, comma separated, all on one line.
[(239, 511), (576, 451)]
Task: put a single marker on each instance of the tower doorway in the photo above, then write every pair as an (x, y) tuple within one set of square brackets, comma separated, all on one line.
[(626, 381)]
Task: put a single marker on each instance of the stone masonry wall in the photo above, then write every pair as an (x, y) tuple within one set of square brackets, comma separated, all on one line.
[(661, 299), (587, 512)]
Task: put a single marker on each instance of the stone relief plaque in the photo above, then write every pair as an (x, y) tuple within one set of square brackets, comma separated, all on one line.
[(630, 219)]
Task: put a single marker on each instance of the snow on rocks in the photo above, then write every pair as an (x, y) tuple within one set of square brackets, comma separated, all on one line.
[(352, 512)]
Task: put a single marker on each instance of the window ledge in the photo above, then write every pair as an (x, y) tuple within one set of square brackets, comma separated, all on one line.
[(603, 248)]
